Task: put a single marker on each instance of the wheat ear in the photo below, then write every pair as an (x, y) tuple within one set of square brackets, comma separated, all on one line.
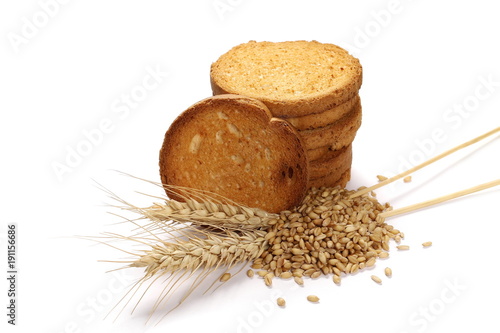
[(200, 208), (209, 213), (191, 252)]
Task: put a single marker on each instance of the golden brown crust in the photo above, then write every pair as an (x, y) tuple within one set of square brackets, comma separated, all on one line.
[(293, 79), (232, 146), (331, 180), (337, 135), (317, 153), (324, 118), (334, 162)]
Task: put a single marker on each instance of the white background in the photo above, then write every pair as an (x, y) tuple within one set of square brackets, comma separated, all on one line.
[(423, 62)]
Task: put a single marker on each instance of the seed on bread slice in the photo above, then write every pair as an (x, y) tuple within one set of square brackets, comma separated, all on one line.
[(293, 78), (232, 146)]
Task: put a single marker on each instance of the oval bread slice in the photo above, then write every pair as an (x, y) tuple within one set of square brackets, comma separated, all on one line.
[(293, 78), (232, 146)]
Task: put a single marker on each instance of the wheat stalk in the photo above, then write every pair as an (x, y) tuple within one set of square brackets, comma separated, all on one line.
[(188, 240), (200, 208), (190, 252)]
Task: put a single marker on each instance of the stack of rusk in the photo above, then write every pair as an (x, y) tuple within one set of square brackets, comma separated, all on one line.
[(312, 85)]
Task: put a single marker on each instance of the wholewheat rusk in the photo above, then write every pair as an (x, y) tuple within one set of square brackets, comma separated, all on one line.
[(232, 146), (324, 118), (318, 153), (293, 79), (331, 180), (337, 135), (335, 162)]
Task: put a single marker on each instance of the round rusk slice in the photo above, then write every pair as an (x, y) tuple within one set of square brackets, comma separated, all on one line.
[(231, 145)]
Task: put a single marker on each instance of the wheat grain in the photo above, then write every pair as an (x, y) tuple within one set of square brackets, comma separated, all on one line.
[(383, 255), (298, 280), (313, 298), (285, 275), (268, 279), (381, 178), (281, 302), (225, 277)]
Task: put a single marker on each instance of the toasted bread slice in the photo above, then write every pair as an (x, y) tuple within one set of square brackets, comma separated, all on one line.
[(318, 153), (337, 135), (331, 180), (232, 146), (325, 118), (293, 79), (335, 162)]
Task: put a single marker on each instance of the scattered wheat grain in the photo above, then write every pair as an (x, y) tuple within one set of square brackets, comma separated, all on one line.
[(225, 277), (313, 298), (376, 279)]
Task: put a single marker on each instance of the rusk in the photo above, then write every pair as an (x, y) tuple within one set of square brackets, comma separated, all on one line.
[(334, 162), (232, 146), (292, 79), (331, 180), (318, 153), (324, 118), (337, 135)]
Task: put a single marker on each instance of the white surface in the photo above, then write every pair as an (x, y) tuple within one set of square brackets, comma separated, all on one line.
[(69, 76)]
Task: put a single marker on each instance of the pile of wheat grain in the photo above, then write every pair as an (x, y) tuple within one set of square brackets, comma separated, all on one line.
[(329, 233)]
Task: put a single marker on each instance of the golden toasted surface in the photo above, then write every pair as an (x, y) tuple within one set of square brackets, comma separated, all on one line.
[(318, 153), (292, 78), (335, 161), (331, 180), (231, 145), (337, 135), (324, 118)]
